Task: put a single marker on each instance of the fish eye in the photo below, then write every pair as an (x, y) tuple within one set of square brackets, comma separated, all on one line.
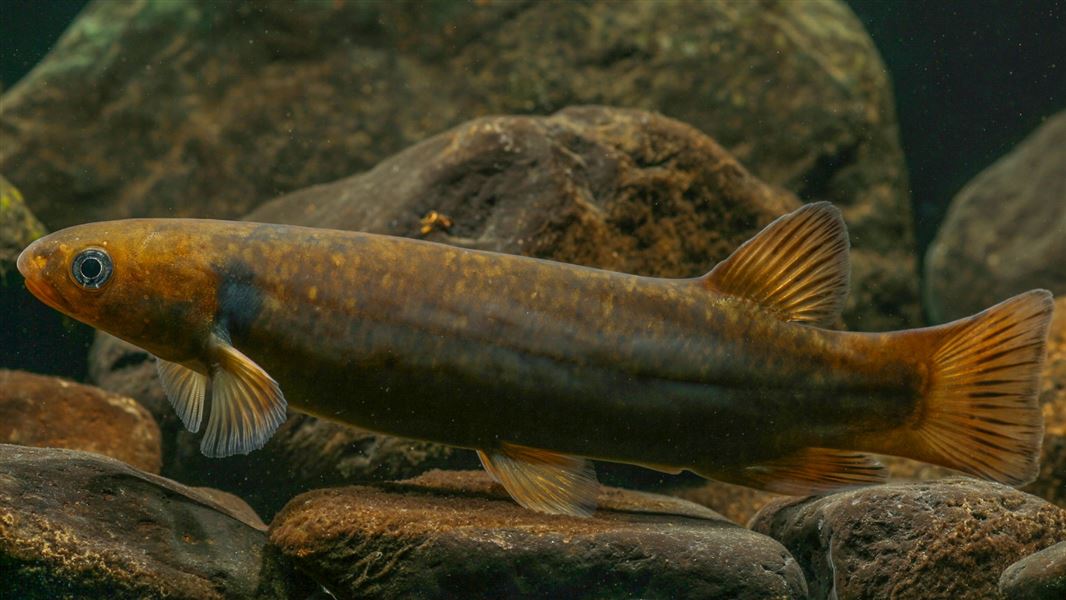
[(91, 268)]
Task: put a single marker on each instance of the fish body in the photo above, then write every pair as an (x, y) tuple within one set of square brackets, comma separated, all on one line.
[(539, 365)]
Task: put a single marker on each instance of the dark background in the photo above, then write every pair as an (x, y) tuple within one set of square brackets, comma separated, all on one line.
[(972, 78)]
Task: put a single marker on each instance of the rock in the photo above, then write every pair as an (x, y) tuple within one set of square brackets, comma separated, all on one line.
[(158, 114), (737, 503), (234, 505), (18, 227), (1039, 576), (1004, 232), (49, 412), (624, 190), (1051, 483), (79, 525), (456, 534), (948, 539)]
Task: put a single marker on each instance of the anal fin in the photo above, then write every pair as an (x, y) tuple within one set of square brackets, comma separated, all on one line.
[(542, 480), (810, 471)]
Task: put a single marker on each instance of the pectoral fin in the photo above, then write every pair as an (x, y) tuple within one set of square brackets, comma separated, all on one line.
[(247, 405), (185, 389), (809, 471), (544, 481)]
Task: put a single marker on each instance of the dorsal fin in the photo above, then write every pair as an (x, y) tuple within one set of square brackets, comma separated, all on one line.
[(797, 267)]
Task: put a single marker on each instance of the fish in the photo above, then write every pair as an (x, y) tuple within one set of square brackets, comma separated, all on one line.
[(542, 367)]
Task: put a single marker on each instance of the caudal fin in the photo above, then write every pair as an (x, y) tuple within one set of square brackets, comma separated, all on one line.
[(980, 413)]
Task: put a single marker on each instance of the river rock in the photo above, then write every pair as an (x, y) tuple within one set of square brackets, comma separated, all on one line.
[(1039, 576), (1005, 231), (80, 525), (737, 503), (18, 227), (1051, 483), (160, 115), (457, 534), (946, 539), (49, 412)]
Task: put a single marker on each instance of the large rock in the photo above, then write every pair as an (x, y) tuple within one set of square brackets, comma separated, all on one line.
[(49, 412), (1005, 232), (204, 109), (457, 534), (79, 525), (1039, 576), (1051, 483), (948, 539)]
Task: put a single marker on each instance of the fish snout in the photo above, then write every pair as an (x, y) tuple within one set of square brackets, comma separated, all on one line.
[(31, 264)]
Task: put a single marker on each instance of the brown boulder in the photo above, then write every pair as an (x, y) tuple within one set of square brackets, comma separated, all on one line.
[(48, 412), (457, 534), (1039, 576), (949, 539), (1005, 232), (1051, 483), (207, 109), (79, 525)]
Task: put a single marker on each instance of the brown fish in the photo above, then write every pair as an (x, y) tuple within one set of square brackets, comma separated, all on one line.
[(540, 365)]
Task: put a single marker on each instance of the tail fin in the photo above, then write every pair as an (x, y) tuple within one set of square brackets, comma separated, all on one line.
[(980, 413)]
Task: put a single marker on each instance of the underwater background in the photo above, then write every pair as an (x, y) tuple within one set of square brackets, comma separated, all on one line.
[(939, 128)]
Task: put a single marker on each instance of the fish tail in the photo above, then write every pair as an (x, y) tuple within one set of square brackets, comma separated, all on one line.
[(980, 413)]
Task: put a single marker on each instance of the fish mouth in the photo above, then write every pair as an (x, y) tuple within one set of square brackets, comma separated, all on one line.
[(31, 275), (45, 294)]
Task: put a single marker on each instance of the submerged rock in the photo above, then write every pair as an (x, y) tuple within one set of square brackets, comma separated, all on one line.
[(79, 525), (948, 539), (1039, 576), (18, 227), (1051, 483), (457, 534), (49, 412), (161, 112), (1005, 232)]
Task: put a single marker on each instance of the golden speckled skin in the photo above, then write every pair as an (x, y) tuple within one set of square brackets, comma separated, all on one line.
[(470, 348)]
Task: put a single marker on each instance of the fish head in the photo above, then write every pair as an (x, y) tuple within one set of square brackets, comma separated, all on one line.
[(147, 281)]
